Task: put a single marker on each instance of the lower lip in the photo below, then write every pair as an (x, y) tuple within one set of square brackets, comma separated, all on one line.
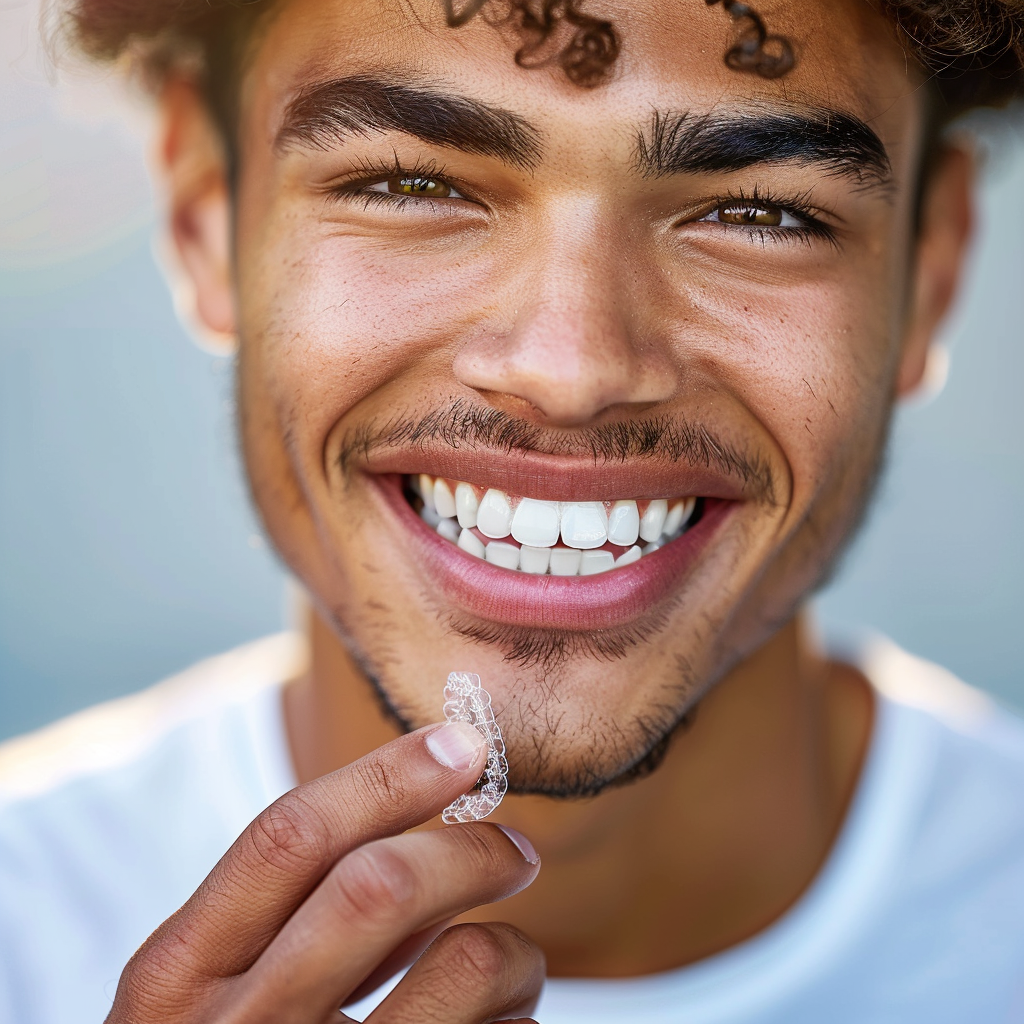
[(601, 601)]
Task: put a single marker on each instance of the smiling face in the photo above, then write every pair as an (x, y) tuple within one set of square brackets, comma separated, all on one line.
[(578, 389)]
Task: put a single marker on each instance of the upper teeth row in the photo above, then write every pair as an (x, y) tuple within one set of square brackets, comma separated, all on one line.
[(580, 524)]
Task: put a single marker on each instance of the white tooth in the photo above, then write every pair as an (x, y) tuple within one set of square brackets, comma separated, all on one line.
[(429, 516), (494, 517), (629, 557), (444, 501), (673, 520), (649, 549), (584, 524), (565, 561), (653, 519), (623, 523), (505, 555), (536, 523), (534, 560), (427, 490), (471, 544), (688, 506), (678, 515), (593, 562), (466, 505), (449, 529)]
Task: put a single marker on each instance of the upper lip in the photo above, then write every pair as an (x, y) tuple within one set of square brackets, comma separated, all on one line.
[(558, 477)]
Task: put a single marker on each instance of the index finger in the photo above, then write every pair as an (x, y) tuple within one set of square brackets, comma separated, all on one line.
[(286, 851)]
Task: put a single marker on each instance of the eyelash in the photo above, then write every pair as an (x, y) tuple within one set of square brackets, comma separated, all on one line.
[(356, 188), (812, 228)]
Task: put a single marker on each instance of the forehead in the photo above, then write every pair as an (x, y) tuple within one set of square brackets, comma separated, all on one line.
[(672, 58)]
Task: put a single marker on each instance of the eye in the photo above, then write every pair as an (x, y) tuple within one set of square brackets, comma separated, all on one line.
[(423, 186), (754, 214)]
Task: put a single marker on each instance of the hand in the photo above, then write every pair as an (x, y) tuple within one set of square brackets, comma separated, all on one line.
[(322, 898)]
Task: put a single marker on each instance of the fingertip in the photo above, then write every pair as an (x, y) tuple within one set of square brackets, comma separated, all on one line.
[(521, 843), (456, 745)]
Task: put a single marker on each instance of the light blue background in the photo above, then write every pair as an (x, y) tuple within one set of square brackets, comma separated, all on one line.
[(128, 550)]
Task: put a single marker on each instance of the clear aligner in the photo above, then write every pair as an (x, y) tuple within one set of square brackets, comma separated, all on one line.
[(465, 700)]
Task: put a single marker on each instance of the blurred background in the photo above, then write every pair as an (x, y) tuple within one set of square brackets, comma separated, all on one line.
[(128, 549)]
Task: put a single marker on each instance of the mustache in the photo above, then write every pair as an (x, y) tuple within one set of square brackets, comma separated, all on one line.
[(465, 425)]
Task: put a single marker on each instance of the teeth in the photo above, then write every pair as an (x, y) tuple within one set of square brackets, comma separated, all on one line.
[(494, 517), (471, 543), (678, 514), (505, 555), (584, 525), (624, 523), (444, 500), (653, 520), (536, 523), (449, 530), (631, 556), (426, 490), (534, 560), (466, 505), (593, 562), (565, 561)]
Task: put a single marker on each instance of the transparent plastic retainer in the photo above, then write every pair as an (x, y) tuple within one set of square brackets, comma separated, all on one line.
[(465, 700)]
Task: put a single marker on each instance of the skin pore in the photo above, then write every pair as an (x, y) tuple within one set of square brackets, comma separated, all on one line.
[(569, 287)]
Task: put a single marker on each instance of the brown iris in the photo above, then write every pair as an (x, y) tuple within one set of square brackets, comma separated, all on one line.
[(747, 213), (419, 186)]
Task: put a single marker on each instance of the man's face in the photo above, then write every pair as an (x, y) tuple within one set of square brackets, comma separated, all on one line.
[(686, 283)]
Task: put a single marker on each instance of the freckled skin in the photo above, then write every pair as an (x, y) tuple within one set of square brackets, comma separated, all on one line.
[(575, 295), (571, 304)]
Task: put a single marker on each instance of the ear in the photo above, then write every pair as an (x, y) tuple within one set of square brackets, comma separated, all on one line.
[(947, 216), (192, 160)]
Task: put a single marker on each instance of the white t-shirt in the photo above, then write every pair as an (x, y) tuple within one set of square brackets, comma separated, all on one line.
[(111, 818)]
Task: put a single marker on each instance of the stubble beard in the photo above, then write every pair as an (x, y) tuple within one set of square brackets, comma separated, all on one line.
[(600, 752)]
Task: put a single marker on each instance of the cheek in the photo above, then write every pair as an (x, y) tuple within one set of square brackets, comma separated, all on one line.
[(812, 361), (335, 319)]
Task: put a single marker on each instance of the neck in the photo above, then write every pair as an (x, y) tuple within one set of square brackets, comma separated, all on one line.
[(702, 854)]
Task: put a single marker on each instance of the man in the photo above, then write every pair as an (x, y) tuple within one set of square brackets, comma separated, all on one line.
[(566, 354)]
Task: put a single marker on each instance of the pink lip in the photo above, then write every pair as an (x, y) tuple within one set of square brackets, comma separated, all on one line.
[(576, 603)]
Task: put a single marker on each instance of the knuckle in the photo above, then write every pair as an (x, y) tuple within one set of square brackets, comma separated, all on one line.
[(477, 850), (475, 955), (157, 964), (520, 947), (374, 882), (525, 965), (381, 782), (150, 984), (488, 854), (288, 834)]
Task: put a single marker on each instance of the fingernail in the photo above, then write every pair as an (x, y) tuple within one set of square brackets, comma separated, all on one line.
[(455, 745), (522, 844)]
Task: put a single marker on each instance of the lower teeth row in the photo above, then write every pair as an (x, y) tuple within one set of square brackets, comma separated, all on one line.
[(556, 561)]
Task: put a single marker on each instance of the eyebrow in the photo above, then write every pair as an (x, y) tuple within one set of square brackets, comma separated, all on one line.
[(329, 113), (686, 144)]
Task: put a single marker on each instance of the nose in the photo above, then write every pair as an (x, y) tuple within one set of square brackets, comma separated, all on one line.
[(580, 342)]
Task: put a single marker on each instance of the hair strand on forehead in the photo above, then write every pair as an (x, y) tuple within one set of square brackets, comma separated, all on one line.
[(589, 46), (972, 49), (765, 55)]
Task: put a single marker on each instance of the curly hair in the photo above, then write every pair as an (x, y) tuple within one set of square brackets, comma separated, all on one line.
[(972, 50)]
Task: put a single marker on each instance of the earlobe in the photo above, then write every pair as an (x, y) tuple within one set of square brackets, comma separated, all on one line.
[(943, 240), (198, 211)]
